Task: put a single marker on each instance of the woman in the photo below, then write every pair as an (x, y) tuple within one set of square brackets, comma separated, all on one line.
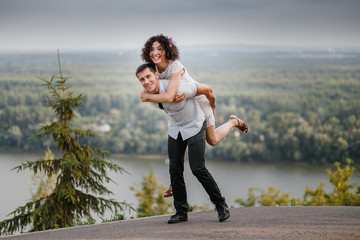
[(163, 53)]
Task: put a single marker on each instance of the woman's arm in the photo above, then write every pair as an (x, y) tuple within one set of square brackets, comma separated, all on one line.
[(206, 90), (169, 95)]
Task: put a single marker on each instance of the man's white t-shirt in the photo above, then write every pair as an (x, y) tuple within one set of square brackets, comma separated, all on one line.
[(186, 116)]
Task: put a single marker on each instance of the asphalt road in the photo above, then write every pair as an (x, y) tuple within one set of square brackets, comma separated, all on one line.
[(245, 223)]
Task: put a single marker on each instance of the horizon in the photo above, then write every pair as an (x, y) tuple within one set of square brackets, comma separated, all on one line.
[(195, 48)]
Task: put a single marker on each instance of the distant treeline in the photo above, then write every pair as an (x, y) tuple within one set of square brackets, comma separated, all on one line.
[(299, 107)]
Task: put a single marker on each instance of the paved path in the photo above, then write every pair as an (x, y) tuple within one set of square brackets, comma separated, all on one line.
[(245, 223)]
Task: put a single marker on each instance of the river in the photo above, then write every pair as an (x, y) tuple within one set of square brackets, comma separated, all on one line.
[(234, 179)]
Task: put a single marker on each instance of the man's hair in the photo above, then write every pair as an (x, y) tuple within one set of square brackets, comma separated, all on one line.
[(142, 67)]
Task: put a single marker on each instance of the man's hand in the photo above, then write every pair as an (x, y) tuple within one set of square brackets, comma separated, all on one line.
[(179, 97), (144, 96)]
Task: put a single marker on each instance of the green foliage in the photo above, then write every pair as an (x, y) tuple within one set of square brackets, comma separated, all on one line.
[(251, 200), (271, 197), (196, 208), (81, 171), (117, 217), (343, 194), (150, 197), (299, 109), (89, 221)]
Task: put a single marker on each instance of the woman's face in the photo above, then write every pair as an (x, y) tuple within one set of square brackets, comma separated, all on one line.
[(157, 53)]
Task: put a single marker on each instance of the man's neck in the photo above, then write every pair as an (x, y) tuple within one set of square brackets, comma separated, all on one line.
[(157, 89)]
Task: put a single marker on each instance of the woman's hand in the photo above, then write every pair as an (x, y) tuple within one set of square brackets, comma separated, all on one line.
[(144, 96), (179, 97)]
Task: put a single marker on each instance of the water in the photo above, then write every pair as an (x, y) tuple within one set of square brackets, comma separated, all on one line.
[(234, 180)]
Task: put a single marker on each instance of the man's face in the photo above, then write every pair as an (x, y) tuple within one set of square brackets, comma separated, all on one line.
[(149, 80)]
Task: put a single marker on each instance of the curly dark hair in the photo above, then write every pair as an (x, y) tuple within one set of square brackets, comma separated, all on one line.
[(171, 51)]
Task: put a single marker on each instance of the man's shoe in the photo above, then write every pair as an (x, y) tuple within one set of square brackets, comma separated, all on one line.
[(178, 217), (223, 212)]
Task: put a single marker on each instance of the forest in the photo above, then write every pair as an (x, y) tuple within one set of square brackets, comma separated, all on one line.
[(301, 106)]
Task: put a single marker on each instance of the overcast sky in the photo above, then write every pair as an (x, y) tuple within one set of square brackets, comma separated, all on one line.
[(121, 24)]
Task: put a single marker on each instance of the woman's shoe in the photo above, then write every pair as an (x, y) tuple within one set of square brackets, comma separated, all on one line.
[(168, 192), (242, 126)]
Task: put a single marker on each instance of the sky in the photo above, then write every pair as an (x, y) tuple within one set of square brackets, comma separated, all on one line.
[(127, 24)]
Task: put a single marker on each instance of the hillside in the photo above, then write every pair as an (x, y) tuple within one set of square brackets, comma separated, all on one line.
[(300, 105)]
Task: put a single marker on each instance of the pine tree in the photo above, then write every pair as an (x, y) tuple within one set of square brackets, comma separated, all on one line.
[(81, 171)]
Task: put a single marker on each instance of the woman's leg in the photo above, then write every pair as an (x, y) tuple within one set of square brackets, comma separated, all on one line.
[(214, 136)]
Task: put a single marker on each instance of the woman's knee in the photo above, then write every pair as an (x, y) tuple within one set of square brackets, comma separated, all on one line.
[(212, 142), (211, 137)]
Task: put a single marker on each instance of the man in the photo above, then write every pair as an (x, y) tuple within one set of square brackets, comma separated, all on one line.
[(186, 122)]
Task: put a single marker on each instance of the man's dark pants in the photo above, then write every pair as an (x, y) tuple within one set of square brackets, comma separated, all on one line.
[(196, 154)]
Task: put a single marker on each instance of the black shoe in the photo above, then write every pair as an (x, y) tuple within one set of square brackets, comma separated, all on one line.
[(178, 217), (223, 212)]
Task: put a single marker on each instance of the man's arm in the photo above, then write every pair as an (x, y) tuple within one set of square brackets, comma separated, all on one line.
[(145, 97), (206, 90)]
